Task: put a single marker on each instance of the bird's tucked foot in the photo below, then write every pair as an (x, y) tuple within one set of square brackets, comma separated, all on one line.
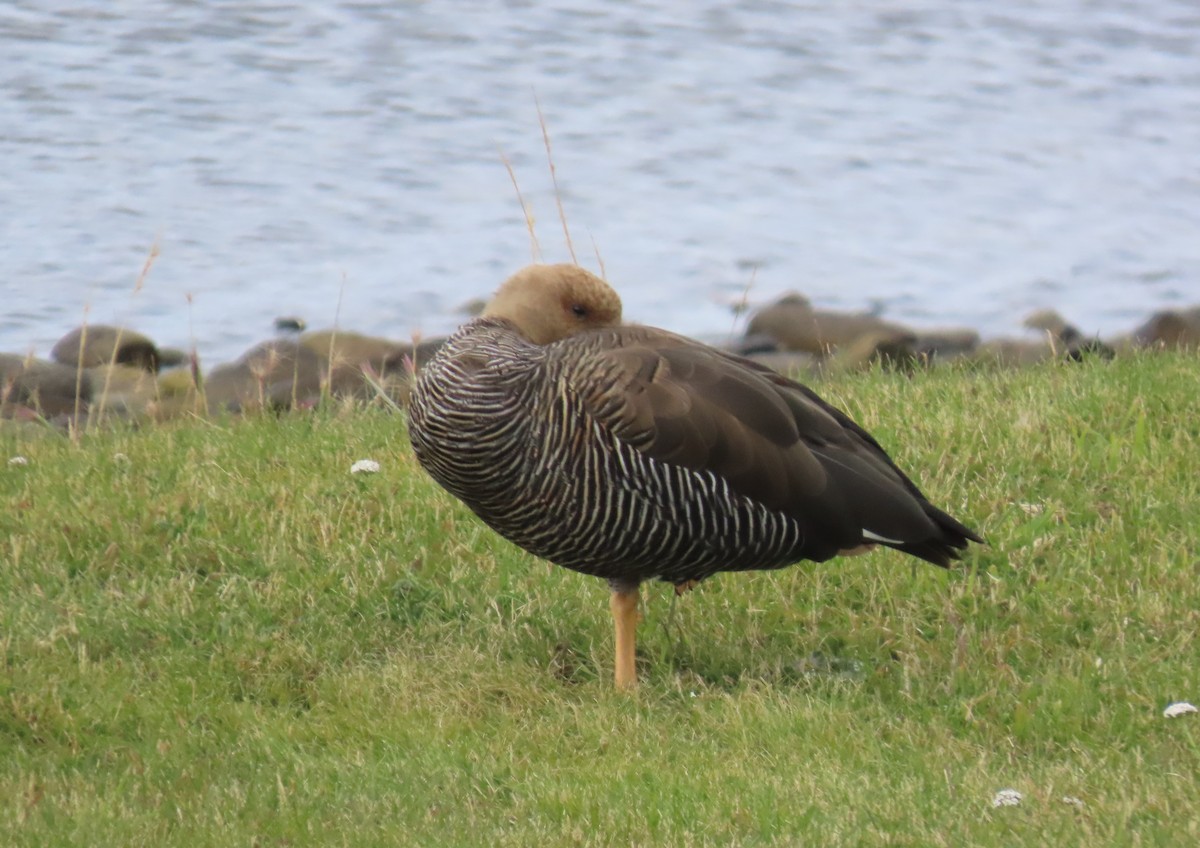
[(685, 586)]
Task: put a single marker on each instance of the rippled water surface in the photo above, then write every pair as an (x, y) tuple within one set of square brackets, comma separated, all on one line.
[(945, 162)]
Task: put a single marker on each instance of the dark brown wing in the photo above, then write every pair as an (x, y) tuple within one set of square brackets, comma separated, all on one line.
[(771, 439)]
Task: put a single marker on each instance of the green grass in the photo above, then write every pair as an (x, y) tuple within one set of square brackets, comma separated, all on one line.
[(213, 634)]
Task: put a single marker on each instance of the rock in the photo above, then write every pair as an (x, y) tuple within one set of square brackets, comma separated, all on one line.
[(48, 389), (778, 320), (172, 357), (887, 347), (1050, 322), (795, 325), (341, 348), (358, 361), (1082, 349), (122, 390), (945, 343), (99, 344), (788, 363), (287, 373), (1060, 340), (1170, 328), (290, 324), (1014, 353), (176, 383), (751, 344), (275, 374)]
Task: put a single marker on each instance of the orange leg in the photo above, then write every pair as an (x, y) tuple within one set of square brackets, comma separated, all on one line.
[(624, 604)]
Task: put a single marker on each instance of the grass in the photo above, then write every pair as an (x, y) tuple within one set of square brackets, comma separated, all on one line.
[(211, 633)]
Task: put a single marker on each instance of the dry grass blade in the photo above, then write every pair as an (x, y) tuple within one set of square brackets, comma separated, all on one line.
[(373, 379), (554, 179), (139, 283), (151, 258), (535, 248), (74, 428), (599, 258), (740, 305)]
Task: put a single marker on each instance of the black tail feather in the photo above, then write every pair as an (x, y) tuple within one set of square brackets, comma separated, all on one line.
[(944, 549)]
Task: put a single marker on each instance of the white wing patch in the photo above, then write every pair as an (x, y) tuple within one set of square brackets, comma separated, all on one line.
[(875, 537)]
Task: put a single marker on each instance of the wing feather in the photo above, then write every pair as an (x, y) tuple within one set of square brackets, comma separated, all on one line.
[(769, 438)]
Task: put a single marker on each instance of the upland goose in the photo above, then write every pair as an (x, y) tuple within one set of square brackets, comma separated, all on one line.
[(631, 453)]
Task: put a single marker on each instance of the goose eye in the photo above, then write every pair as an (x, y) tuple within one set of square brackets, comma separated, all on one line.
[(579, 310)]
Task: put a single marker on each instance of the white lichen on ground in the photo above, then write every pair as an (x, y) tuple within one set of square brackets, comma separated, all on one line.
[(1007, 798)]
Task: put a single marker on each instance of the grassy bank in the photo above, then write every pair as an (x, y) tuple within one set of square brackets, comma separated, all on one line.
[(214, 634)]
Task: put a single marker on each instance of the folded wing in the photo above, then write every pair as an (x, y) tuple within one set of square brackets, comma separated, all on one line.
[(769, 438)]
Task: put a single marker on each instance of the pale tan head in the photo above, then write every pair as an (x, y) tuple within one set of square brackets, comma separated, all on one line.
[(551, 302)]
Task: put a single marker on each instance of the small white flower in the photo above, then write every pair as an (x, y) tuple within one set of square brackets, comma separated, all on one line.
[(364, 466), (1178, 709), (18, 460), (1073, 801), (1007, 798)]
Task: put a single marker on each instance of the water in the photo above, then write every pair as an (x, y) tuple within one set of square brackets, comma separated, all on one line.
[(944, 162)]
